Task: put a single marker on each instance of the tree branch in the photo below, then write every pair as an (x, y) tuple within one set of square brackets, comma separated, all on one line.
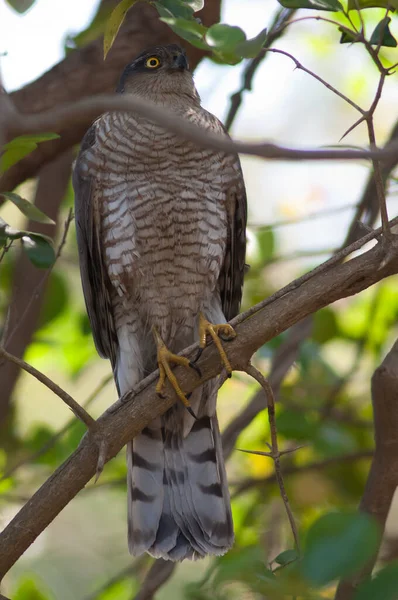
[(88, 109), (158, 574), (85, 73), (129, 415), (29, 282), (274, 453), (77, 410), (383, 476), (277, 29)]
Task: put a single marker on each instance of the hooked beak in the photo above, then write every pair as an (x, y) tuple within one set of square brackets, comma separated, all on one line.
[(180, 62)]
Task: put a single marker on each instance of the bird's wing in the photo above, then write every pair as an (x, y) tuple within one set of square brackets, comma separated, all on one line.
[(233, 268), (230, 281), (95, 280)]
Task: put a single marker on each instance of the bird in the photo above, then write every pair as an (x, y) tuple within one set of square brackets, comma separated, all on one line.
[(161, 233)]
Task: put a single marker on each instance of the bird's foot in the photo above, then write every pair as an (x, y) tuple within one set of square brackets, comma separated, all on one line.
[(165, 359), (225, 331)]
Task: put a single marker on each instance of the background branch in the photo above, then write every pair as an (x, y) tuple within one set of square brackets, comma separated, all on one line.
[(85, 73), (29, 283), (383, 475)]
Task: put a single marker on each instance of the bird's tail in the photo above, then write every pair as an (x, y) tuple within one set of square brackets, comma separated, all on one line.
[(178, 499)]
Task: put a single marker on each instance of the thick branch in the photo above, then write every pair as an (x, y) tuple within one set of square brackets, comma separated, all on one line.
[(383, 476), (85, 73), (88, 109), (127, 418), (158, 574)]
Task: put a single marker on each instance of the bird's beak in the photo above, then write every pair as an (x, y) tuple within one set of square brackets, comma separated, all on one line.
[(180, 63)]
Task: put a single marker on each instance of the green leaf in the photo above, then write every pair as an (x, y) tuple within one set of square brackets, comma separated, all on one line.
[(382, 34), (21, 6), (39, 250), (224, 37), (20, 147), (181, 9), (28, 589), (188, 29), (329, 5), (355, 4), (55, 299), (114, 23), (250, 48), (295, 425), (196, 5), (29, 210), (242, 564), (347, 36), (94, 30), (337, 545), (14, 154), (334, 439), (325, 326), (384, 585), (286, 557)]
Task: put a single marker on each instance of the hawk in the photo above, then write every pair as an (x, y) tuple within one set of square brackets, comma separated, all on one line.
[(161, 235)]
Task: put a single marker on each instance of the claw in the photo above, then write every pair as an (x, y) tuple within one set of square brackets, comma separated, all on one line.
[(225, 331), (165, 359)]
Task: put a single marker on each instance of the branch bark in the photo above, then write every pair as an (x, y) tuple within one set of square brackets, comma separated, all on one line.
[(129, 415), (383, 475), (78, 114), (85, 73)]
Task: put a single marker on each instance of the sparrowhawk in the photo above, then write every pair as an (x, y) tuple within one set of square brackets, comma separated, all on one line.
[(161, 234)]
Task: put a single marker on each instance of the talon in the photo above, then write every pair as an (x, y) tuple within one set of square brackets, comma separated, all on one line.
[(189, 409), (199, 354), (216, 331), (195, 368), (165, 359)]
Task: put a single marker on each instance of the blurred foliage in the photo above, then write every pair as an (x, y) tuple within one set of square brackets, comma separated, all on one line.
[(323, 405), (20, 147)]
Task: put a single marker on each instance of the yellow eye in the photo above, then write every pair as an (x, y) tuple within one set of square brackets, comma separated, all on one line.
[(152, 62)]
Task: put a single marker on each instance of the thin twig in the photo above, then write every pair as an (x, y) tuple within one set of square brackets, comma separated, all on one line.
[(377, 171), (158, 574), (73, 405), (281, 20), (275, 453), (57, 436), (315, 76), (292, 469), (336, 258), (5, 249), (128, 571)]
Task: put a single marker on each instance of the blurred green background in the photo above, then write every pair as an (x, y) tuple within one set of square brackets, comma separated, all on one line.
[(298, 214)]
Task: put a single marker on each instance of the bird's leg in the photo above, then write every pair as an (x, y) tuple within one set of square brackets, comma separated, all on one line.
[(165, 359), (225, 331)]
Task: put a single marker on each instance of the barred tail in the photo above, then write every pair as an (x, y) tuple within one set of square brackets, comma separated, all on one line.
[(178, 499)]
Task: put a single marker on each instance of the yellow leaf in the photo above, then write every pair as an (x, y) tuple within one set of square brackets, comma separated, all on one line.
[(114, 23)]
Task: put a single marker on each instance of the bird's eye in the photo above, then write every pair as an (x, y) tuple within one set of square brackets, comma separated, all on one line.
[(152, 62)]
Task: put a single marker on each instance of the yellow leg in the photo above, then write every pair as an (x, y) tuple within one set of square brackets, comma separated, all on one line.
[(165, 359), (205, 327)]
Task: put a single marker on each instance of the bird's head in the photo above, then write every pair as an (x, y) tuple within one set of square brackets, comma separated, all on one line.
[(159, 71)]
